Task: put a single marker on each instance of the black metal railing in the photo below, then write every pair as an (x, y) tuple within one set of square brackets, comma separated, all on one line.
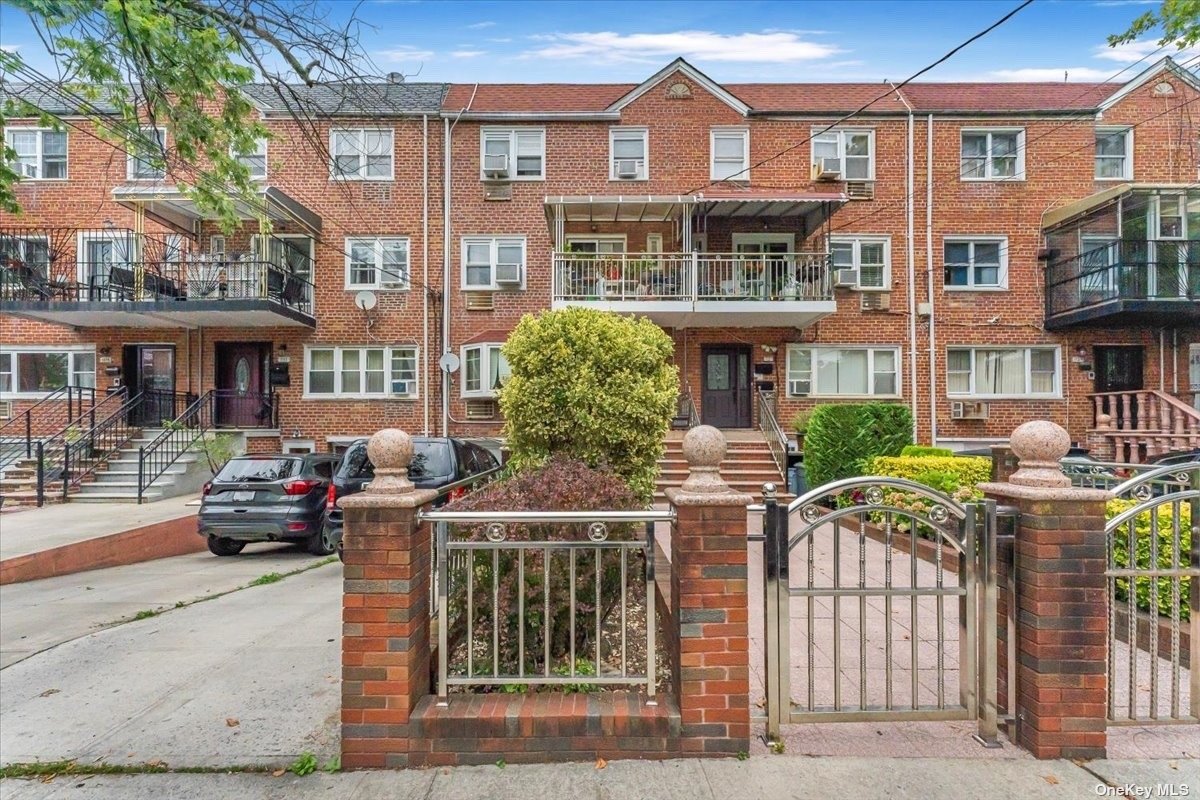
[(83, 452), (686, 416), (158, 407), (54, 412), (234, 409), (178, 436), (1124, 270)]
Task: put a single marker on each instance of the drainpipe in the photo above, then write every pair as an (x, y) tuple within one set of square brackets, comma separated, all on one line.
[(933, 435), (425, 267), (446, 181), (1162, 359), (910, 265)]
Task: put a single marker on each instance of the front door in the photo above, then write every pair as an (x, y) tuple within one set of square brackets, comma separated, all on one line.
[(242, 397), (149, 370), (725, 396), (1119, 369)]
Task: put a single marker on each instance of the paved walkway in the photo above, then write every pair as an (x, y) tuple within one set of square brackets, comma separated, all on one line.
[(767, 777), (38, 529)]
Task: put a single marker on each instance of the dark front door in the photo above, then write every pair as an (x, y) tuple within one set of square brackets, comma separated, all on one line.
[(149, 370), (242, 397), (725, 397), (1119, 369)]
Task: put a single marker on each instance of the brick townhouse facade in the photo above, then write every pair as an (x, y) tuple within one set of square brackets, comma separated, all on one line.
[(987, 253)]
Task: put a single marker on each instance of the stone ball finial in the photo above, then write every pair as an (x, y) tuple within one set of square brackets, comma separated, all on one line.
[(1039, 445), (704, 447), (391, 452)]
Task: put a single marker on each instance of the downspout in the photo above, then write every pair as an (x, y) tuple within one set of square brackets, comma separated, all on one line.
[(911, 268), (425, 267), (446, 181), (933, 435), (1175, 361), (1162, 359)]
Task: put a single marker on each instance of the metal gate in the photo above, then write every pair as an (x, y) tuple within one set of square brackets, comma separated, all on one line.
[(1154, 598), (883, 578)]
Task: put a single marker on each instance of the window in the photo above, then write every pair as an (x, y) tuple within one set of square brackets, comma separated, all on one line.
[(1002, 371), (37, 371), (597, 244), (360, 372), (41, 153), (993, 155), (484, 370), (149, 166), (361, 154), (493, 262), (512, 154), (976, 263), (730, 149), (1114, 153), (377, 263), (849, 153), (255, 160), (845, 371), (629, 154), (26, 253), (870, 255)]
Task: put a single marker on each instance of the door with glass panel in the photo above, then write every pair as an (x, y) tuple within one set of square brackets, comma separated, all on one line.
[(1169, 250), (761, 270), (149, 370), (106, 271), (599, 268), (725, 381)]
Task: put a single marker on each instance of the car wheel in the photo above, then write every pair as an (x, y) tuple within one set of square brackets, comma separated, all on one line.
[(323, 542), (221, 546)]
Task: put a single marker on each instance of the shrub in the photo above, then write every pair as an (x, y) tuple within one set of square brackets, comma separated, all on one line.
[(592, 385), (949, 475), (926, 450), (1142, 557), (800, 420), (842, 439)]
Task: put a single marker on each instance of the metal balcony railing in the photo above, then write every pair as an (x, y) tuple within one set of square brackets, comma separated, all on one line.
[(1161, 269)]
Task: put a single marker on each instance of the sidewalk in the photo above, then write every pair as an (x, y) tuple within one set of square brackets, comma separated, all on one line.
[(761, 777)]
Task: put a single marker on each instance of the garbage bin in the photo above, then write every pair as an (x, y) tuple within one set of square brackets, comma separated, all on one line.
[(796, 485)]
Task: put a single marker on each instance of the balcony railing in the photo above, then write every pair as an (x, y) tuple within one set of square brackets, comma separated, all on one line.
[(1159, 270), (691, 277)]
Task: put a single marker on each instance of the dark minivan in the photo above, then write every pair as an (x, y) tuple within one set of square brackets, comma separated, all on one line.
[(437, 462), (268, 498)]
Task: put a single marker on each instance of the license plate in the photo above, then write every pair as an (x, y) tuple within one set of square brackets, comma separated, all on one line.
[(243, 497)]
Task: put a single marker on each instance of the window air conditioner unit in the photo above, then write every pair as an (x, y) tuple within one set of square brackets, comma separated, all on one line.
[(495, 165), (964, 410), (508, 273), (798, 388), (403, 387), (27, 170), (828, 169), (860, 190), (844, 278), (627, 168), (876, 301), (481, 409)]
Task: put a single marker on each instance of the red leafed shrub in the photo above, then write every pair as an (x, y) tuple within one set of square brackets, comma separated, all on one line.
[(561, 484)]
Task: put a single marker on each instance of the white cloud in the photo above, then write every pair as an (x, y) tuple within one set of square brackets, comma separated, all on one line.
[(501, 40), (10, 48), (468, 53), (1050, 74), (1136, 51), (480, 25), (405, 54), (1110, 3), (765, 47)]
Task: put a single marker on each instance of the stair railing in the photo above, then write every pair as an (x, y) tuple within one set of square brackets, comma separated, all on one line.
[(777, 440), (51, 451), (58, 410), (178, 436), (85, 451)]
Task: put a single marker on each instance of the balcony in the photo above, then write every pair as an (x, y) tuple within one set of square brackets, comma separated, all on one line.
[(698, 290), (1126, 282)]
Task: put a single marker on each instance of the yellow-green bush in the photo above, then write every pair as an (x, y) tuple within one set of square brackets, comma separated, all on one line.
[(591, 385), (952, 475), (1143, 559)]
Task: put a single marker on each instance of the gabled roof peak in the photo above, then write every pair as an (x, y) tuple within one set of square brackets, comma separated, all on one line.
[(682, 66)]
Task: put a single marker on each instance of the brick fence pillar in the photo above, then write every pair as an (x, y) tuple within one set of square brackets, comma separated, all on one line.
[(1062, 612), (708, 581), (385, 608)]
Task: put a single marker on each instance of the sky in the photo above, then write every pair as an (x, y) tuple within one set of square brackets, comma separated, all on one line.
[(752, 40)]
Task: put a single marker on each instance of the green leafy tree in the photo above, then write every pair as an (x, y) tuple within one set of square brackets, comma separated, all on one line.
[(1178, 21), (183, 65), (592, 385)]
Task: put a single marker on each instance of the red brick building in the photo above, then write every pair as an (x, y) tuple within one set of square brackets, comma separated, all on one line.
[(987, 253)]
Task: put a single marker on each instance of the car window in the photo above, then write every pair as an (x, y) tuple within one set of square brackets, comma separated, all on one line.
[(270, 468), (324, 469), (431, 460), (356, 464)]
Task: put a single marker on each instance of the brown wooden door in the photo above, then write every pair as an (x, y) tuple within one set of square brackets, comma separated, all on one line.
[(725, 392), (241, 386)]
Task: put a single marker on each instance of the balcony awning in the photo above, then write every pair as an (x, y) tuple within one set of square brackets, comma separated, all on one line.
[(752, 203), (169, 205), (1056, 217), (743, 204), (617, 208)]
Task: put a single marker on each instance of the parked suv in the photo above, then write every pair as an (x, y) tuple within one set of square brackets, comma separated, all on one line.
[(268, 498), (437, 462)]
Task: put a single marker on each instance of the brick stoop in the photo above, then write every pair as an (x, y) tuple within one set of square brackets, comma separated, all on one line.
[(747, 466), (541, 727)]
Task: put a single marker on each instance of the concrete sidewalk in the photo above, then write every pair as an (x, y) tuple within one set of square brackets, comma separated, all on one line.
[(765, 777)]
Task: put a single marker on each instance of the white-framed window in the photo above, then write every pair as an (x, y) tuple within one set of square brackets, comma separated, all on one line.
[(1114, 154), (1003, 372), (361, 154), (255, 160), (629, 154), (484, 369), (151, 166), (614, 243), (31, 252), (869, 256), (513, 154), (339, 372), (493, 262), (843, 371), (993, 154), (36, 371), (975, 262), (41, 153), (730, 149), (377, 262), (847, 152), (654, 242)]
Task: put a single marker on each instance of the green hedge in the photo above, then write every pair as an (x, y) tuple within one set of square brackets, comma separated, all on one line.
[(1142, 557), (926, 450), (957, 477), (843, 438)]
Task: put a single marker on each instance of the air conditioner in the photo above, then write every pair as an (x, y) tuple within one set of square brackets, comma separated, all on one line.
[(799, 388), (846, 277), (627, 168), (495, 165), (27, 170), (403, 387), (828, 169), (876, 301), (216, 245), (860, 190), (508, 273), (963, 410), (480, 301), (481, 409)]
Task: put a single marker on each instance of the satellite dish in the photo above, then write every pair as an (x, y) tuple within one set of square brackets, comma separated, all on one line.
[(449, 362), (365, 300)]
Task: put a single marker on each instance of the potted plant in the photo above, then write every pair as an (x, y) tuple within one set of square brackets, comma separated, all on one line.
[(799, 425)]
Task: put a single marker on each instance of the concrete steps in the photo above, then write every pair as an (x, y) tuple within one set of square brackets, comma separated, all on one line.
[(118, 481)]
